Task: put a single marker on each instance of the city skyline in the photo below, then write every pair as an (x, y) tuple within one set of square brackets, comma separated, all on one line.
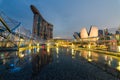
[(67, 16)]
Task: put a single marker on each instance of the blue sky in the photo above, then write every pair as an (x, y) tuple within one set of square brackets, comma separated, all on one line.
[(67, 16)]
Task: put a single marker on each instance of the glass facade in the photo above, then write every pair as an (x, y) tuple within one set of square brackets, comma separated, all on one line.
[(41, 28)]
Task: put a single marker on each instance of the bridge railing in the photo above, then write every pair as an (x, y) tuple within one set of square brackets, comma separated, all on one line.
[(12, 34), (8, 44)]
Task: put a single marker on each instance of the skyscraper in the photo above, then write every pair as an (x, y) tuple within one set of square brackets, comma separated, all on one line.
[(100, 33), (41, 28), (76, 35)]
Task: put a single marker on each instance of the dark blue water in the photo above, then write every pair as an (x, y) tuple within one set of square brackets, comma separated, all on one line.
[(15, 65)]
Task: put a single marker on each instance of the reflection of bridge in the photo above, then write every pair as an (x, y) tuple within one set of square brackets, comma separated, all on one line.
[(12, 35)]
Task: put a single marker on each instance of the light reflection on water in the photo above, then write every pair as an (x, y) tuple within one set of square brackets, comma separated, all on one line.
[(109, 60), (14, 60), (57, 50), (118, 67), (102, 58), (89, 56)]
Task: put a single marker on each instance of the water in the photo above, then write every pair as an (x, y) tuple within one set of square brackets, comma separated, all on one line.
[(16, 65), (108, 60)]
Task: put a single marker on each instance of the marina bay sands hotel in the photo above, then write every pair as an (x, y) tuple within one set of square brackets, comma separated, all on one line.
[(41, 28)]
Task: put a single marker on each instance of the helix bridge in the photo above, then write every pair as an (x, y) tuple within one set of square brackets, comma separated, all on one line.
[(13, 35)]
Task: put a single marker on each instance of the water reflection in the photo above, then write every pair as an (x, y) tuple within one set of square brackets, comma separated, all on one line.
[(9, 62), (67, 50), (40, 59), (79, 53), (21, 55), (57, 50), (35, 63), (73, 53), (118, 67), (89, 56), (16, 61), (101, 58), (48, 49), (38, 49)]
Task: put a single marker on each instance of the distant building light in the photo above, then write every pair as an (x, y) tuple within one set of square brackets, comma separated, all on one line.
[(118, 48)]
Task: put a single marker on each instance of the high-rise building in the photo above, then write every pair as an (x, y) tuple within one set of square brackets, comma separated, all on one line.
[(41, 28), (100, 33), (76, 35), (118, 32), (106, 32)]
